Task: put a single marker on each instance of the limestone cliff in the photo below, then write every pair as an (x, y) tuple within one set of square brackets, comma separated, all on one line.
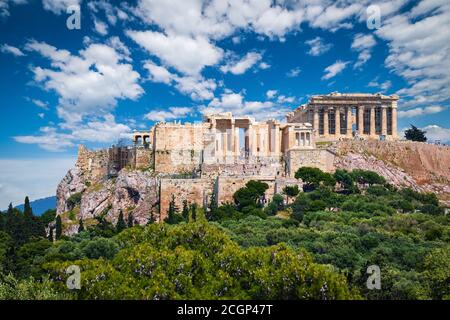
[(422, 166)]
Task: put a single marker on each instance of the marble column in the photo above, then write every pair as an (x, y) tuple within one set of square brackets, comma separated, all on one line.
[(384, 120), (325, 123), (337, 122), (316, 122), (394, 119), (349, 122), (360, 120), (372, 129)]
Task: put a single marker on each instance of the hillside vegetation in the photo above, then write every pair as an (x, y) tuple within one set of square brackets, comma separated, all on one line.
[(314, 243)]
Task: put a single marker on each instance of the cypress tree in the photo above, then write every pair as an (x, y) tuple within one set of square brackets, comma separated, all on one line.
[(171, 212), (58, 228), (27, 210), (121, 225), (80, 226), (50, 234), (130, 220), (185, 212), (194, 212)]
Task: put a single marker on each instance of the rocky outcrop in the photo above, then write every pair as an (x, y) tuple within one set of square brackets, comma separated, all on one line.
[(421, 166), (69, 185)]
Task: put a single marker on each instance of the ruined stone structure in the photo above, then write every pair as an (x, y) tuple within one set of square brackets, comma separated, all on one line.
[(339, 116), (192, 161)]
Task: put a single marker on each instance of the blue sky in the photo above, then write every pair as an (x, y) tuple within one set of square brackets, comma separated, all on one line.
[(136, 62)]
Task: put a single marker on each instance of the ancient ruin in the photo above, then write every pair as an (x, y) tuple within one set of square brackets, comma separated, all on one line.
[(339, 116), (193, 161)]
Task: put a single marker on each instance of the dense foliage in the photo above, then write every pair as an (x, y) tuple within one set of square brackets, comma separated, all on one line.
[(315, 244), (415, 134)]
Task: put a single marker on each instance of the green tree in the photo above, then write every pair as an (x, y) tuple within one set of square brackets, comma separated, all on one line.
[(58, 228), (121, 225), (415, 134), (185, 211), (291, 192), (130, 220), (252, 195), (314, 177), (50, 234), (194, 212), (172, 213), (80, 226)]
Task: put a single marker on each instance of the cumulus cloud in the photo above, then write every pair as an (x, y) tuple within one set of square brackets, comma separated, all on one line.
[(6, 48), (236, 103), (363, 44), (100, 27), (88, 83), (420, 111), (170, 114), (334, 69), (104, 130), (59, 6), (242, 65), (435, 132), (186, 54), (384, 86), (197, 87), (317, 47), (418, 52), (293, 72), (270, 94), (5, 5)]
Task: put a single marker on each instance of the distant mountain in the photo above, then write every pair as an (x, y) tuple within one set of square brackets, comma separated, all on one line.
[(41, 205)]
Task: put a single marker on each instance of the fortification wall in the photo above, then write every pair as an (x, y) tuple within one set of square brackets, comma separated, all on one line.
[(178, 148), (319, 158), (193, 190), (92, 165), (143, 158)]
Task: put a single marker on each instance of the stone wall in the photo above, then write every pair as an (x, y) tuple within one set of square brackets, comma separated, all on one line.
[(193, 190), (319, 158), (269, 168), (178, 148), (92, 165), (143, 158)]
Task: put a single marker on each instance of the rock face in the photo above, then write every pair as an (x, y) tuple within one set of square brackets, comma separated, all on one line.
[(70, 184), (421, 166)]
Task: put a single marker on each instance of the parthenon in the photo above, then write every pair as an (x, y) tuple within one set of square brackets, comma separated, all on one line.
[(338, 116)]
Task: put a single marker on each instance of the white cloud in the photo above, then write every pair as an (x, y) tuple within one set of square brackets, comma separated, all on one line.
[(164, 115), (196, 87), (90, 83), (334, 69), (363, 44), (420, 111), (40, 104), (100, 27), (158, 73), (435, 132), (384, 86), (317, 47), (264, 65), (104, 130), (271, 94), (6, 48), (235, 103), (36, 178), (242, 65), (186, 54), (4, 6), (284, 99), (59, 6), (419, 52), (294, 72)]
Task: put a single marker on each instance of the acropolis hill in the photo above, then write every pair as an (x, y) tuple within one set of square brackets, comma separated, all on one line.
[(218, 156)]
